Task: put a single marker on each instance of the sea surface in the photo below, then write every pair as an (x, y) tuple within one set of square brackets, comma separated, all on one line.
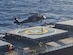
[(54, 10)]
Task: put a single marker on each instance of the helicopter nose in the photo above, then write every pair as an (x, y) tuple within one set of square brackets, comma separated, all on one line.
[(44, 17)]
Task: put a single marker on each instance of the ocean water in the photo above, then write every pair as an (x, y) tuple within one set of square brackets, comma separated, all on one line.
[(57, 10)]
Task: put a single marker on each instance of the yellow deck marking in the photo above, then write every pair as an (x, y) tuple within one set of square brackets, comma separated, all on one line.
[(36, 31)]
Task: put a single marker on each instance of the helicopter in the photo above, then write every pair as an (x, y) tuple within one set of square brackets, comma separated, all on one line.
[(33, 18)]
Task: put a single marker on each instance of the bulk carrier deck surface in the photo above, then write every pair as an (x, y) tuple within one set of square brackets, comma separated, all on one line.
[(41, 40)]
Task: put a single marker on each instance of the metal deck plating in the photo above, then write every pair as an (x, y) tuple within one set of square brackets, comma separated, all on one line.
[(36, 32), (65, 25)]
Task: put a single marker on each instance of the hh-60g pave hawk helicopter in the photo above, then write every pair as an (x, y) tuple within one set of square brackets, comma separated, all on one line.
[(33, 18)]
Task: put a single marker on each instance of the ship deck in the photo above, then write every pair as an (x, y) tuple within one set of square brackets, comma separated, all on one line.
[(69, 22), (46, 47), (65, 25), (58, 39), (36, 32)]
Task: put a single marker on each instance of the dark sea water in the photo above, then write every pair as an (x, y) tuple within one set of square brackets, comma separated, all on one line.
[(58, 10)]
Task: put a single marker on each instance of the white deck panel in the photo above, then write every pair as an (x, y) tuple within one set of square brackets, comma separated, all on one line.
[(67, 40), (2, 43), (2, 35), (69, 22), (15, 32), (53, 44)]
